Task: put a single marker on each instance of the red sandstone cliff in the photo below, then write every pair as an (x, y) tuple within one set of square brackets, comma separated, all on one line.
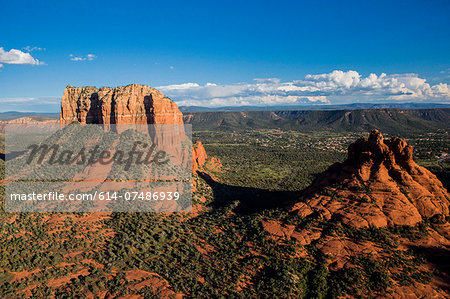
[(200, 158), (379, 184), (131, 104)]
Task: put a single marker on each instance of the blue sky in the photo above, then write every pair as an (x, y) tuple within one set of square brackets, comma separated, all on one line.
[(209, 53)]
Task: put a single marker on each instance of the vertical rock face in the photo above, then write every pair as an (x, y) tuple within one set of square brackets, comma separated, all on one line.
[(200, 158), (132, 104)]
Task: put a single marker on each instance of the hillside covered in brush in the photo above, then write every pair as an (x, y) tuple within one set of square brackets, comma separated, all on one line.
[(391, 121), (373, 225)]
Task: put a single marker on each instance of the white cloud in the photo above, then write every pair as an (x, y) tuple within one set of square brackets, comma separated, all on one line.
[(183, 86), (335, 87), (14, 56), (30, 104), (88, 57), (15, 100), (31, 49), (262, 92), (39, 104), (335, 79), (39, 100), (74, 58)]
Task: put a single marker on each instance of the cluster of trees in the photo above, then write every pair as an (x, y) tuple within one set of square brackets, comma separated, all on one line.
[(210, 255), (272, 166)]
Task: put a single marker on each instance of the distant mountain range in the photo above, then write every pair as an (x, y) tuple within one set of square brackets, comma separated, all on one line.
[(14, 114), (394, 121), (188, 109), (402, 122), (316, 107)]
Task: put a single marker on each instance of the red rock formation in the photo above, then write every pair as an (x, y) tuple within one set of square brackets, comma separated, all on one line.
[(131, 104), (200, 158), (379, 184), (30, 121), (215, 163)]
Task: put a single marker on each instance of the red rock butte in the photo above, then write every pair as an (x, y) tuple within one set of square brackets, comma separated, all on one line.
[(131, 104), (378, 185)]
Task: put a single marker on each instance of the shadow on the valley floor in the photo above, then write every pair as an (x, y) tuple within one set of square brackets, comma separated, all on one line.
[(439, 258), (249, 200)]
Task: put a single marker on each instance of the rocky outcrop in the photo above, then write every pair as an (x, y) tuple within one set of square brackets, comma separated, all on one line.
[(131, 104), (378, 185), (200, 158)]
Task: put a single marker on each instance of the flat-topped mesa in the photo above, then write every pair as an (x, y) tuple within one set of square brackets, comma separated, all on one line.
[(131, 104), (378, 185)]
